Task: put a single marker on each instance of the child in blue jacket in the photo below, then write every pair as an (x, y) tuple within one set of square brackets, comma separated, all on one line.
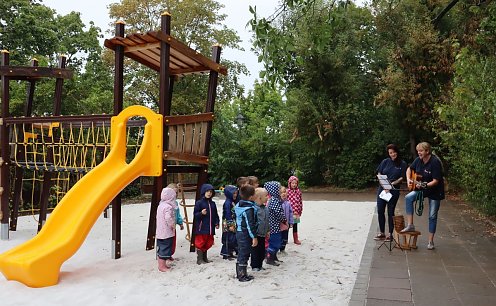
[(229, 243), (205, 220), (246, 230)]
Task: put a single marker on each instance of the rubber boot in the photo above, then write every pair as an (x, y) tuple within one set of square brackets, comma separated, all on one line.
[(205, 259), (295, 238), (247, 277), (241, 273), (199, 257), (270, 260), (162, 266)]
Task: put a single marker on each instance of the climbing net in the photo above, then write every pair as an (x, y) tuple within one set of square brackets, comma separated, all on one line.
[(67, 146), (68, 149)]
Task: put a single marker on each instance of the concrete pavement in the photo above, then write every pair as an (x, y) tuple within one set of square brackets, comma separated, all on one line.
[(461, 270)]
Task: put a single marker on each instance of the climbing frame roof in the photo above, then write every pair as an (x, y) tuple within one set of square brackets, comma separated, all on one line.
[(145, 49)]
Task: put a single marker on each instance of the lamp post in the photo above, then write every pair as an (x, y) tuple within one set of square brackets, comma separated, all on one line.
[(240, 119)]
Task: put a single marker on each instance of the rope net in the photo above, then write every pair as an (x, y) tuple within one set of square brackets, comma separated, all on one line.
[(68, 146), (67, 149)]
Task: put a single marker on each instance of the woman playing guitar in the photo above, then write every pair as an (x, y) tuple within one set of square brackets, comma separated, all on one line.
[(431, 182)]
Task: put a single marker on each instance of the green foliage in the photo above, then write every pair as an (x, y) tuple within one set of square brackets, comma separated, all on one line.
[(470, 129), (196, 23), (259, 146)]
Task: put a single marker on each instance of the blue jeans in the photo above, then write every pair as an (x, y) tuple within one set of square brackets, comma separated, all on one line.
[(433, 209)]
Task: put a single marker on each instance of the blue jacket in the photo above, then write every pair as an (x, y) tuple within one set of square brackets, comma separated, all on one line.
[(246, 217), (228, 214), (205, 224)]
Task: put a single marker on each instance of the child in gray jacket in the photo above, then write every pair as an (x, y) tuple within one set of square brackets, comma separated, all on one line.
[(258, 252)]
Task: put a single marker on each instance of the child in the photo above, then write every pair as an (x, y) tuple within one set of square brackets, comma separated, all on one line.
[(288, 214), (276, 217), (253, 180), (294, 197), (258, 252), (179, 218), (229, 243), (246, 230), (166, 224), (206, 220)]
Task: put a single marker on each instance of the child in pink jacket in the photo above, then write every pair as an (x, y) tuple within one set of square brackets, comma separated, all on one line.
[(294, 197), (166, 228)]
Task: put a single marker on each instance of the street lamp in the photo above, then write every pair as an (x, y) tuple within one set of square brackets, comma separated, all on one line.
[(240, 119)]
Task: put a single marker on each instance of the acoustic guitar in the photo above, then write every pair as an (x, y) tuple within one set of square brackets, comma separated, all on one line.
[(415, 179)]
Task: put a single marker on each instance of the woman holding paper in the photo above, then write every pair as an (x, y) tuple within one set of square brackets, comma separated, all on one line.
[(394, 168)]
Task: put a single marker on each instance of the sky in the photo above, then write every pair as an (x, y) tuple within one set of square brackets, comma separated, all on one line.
[(237, 17)]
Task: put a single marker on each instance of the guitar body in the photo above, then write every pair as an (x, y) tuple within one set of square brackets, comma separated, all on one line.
[(415, 178)]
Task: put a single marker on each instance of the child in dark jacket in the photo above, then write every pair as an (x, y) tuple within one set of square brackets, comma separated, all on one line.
[(276, 217), (288, 214), (246, 230), (229, 243), (258, 252), (205, 221)]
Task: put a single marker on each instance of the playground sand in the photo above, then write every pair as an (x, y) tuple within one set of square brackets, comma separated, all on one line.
[(321, 271)]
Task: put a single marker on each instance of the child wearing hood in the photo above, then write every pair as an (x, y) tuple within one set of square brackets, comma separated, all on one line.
[(166, 228), (229, 243), (179, 218), (276, 217), (205, 221), (246, 230), (294, 197)]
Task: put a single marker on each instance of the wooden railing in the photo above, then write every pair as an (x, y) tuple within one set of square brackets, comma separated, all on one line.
[(187, 137)]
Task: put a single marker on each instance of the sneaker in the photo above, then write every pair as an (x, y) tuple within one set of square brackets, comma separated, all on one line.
[(389, 238), (380, 236), (430, 245), (255, 269), (408, 228)]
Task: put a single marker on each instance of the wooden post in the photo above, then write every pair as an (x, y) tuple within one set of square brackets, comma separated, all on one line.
[(165, 100), (19, 172), (118, 106), (4, 157), (47, 175), (211, 94), (209, 108)]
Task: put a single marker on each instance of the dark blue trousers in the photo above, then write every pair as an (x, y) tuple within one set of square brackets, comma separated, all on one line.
[(275, 241), (244, 248)]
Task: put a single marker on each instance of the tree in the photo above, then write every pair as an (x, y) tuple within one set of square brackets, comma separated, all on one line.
[(329, 77), (420, 68), (199, 26), (29, 29), (257, 146)]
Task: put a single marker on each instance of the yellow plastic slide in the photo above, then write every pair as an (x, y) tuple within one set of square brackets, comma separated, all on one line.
[(37, 262)]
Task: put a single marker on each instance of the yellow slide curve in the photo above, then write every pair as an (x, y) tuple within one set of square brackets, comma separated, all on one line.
[(37, 262)]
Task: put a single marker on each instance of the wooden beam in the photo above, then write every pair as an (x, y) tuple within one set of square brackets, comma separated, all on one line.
[(197, 159), (29, 72), (182, 48), (140, 47), (185, 119)]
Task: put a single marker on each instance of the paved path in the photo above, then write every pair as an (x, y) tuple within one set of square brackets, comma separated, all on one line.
[(460, 271)]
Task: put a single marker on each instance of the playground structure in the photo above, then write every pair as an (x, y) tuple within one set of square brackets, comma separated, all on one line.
[(80, 145)]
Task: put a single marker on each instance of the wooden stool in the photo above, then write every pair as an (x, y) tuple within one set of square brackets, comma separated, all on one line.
[(409, 240)]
